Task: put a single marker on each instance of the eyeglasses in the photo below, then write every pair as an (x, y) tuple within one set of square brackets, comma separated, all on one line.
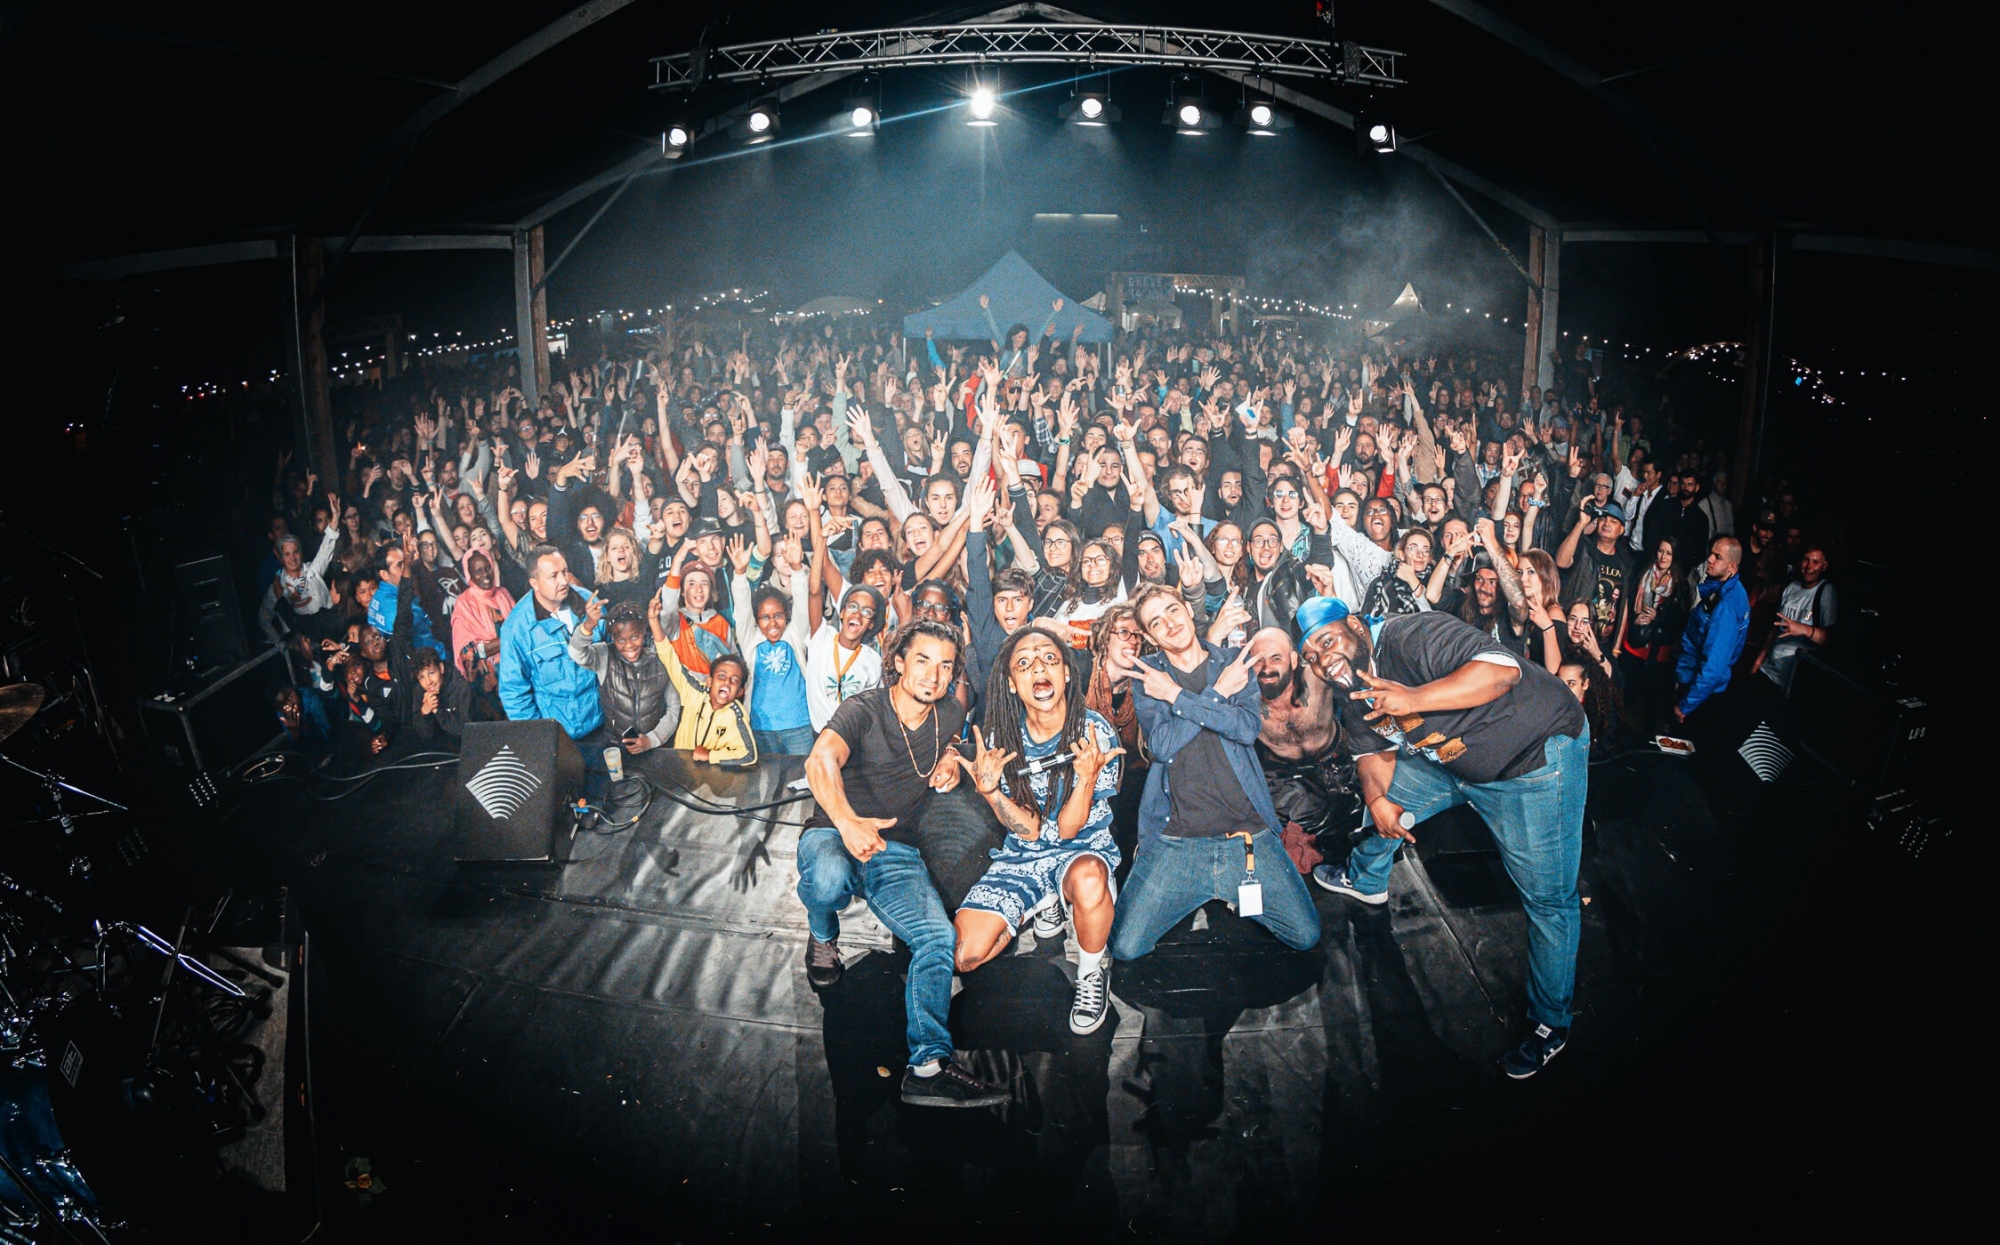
[(1128, 633), (859, 611), (940, 608), (1227, 540), (1055, 538), (1043, 657), (1098, 558), (1277, 493), (1265, 542)]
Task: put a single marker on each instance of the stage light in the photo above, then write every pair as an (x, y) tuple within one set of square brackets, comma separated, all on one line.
[(1187, 111), (982, 106), (1375, 135), (861, 115), (1262, 118), (760, 122), (676, 139), (1089, 108)]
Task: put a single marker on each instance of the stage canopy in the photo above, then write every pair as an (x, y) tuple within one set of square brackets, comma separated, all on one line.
[(1019, 295)]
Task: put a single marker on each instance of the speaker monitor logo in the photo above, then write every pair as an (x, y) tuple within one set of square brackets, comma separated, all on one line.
[(1765, 754), (503, 784)]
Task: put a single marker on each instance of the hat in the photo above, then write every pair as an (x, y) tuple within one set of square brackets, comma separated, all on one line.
[(704, 527), (1150, 534), (1317, 612), (1612, 510)]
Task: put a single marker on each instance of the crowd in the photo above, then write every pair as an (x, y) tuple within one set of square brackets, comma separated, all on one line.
[(1154, 606)]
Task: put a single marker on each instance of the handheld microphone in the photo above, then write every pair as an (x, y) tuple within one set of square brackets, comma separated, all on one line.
[(1042, 765)]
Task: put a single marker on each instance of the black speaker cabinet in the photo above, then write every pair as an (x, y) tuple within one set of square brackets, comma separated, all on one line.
[(1868, 736), (516, 783), (205, 592), (215, 722)]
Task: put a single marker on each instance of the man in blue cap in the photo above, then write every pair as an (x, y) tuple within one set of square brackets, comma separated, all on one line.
[(1438, 714)]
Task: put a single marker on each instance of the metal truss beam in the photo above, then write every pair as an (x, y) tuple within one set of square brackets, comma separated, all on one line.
[(1060, 43)]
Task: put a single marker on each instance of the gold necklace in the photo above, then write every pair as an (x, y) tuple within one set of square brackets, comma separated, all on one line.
[(937, 743)]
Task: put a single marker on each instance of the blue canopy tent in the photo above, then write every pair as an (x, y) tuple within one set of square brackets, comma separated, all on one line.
[(1019, 295)]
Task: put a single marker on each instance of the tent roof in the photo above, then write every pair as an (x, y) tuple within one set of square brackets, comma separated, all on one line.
[(1018, 295)]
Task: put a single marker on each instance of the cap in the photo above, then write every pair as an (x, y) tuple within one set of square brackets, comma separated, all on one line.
[(1317, 612), (1612, 510), (704, 527)]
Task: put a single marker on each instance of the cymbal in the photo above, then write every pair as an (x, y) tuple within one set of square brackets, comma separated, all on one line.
[(19, 702)]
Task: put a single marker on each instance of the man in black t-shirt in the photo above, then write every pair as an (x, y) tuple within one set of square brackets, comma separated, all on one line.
[(1437, 714), (872, 772), (1599, 571)]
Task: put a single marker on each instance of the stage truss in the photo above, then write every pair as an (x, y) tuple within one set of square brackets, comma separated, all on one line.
[(1046, 43)]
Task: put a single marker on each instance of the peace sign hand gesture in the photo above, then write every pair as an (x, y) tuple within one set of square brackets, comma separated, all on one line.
[(1385, 697), (986, 766)]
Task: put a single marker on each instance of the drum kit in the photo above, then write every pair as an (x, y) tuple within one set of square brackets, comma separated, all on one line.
[(122, 1059)]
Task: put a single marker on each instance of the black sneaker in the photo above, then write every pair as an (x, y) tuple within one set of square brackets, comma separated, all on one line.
[(953, 1086), (1093, 999), (823, 966), (1536, 1050), (1049, 922)]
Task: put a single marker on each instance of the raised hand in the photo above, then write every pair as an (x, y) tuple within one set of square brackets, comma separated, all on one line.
[(1385, 697), (810, 492), (1091, 759), (987, 765), (593, 612), (739, 554), (1189, 568), (1236, 675)]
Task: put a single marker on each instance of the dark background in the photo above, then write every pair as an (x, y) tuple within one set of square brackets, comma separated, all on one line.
[(133, 128)]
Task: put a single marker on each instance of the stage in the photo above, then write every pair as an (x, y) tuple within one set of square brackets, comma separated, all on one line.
[(626, 1048)]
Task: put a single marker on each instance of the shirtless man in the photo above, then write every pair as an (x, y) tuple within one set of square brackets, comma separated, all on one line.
[(1299, 721)]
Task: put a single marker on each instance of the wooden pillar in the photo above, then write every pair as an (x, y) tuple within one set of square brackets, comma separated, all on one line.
[(315, 397), (1758, 348), (540, 310), (525, 276), (1531, 347), (1550, 275)]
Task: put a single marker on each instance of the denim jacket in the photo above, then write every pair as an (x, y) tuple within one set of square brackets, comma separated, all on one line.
[(1167, 728)]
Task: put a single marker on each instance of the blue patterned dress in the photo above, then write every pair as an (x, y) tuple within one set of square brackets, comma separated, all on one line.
[(1026, 876)]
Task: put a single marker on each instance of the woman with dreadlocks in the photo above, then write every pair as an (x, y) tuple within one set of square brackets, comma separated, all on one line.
[(1059, 849)]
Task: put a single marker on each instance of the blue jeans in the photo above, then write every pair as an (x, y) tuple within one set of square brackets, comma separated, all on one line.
[(1538, 821), (1172, 877), (898, 889), (795, 742)]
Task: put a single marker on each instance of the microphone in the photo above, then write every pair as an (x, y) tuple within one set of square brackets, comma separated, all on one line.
[(1042, 765)]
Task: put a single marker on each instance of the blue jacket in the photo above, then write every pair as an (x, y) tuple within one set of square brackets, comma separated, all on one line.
[(538, 678), (1167, 728), (382, 617), (1713, 640)]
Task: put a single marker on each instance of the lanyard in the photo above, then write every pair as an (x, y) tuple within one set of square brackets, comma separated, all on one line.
[(840, 671)]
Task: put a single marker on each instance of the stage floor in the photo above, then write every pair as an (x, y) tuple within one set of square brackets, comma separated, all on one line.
[(627, 1049)]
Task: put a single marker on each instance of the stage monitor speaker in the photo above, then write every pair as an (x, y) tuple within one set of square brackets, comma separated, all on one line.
[(217, 722), (516, 784), (1868, 736), (205, 593)]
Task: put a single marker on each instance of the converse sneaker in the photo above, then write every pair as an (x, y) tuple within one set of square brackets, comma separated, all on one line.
[(1537, 1049), (823, 966), (1335, 879), (1049, 922), (1093, 999), (952, 1086)]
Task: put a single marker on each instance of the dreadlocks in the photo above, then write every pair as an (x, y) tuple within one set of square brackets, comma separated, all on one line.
[(1006, 721)]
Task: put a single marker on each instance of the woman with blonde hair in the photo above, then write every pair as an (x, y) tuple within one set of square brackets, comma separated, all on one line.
[(626, 571)]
